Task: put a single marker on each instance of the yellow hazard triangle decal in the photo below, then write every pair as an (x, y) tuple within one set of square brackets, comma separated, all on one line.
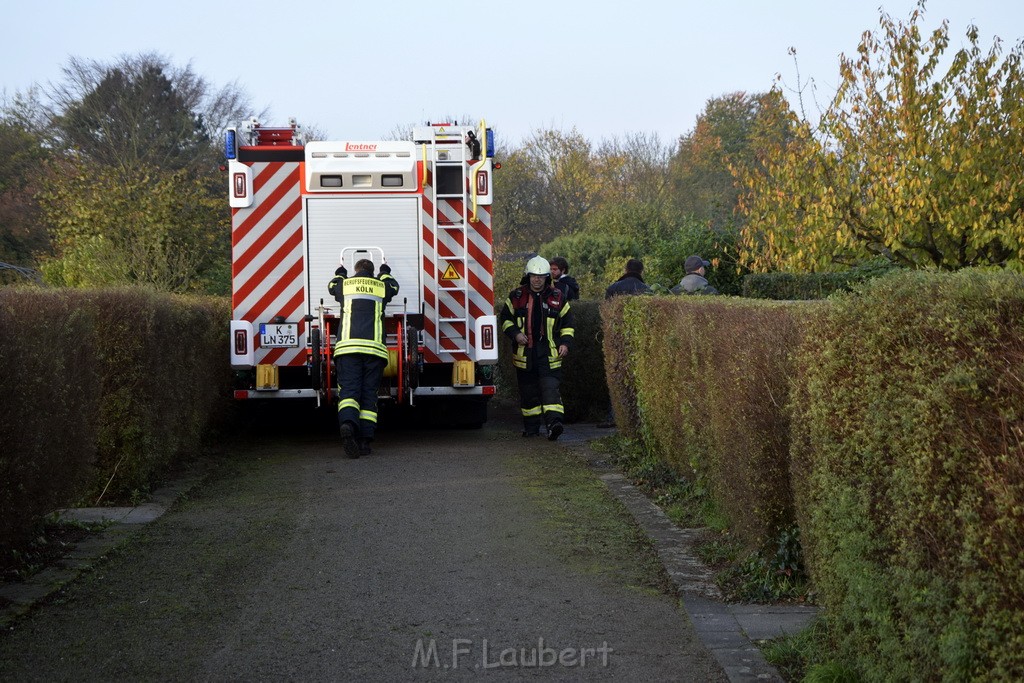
[(450, 273)]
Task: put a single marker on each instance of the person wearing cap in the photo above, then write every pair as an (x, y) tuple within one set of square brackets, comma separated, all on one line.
[(694, 281), (560, 278), (539, 321), (360, 355)]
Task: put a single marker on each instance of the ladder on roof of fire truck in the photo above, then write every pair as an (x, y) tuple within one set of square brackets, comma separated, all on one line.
[(447, 150)]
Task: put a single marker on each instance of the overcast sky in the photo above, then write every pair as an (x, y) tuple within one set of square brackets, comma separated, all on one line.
[(358, 70)]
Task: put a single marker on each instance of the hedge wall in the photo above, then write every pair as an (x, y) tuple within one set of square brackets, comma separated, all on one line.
[(703, 381), (909, 463), (805, 286), (106, 390), (900, 412)]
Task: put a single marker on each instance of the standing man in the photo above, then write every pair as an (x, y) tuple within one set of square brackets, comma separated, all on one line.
[(561, 279), (360, 355), (538, 320), (631, 282), (694, 281)]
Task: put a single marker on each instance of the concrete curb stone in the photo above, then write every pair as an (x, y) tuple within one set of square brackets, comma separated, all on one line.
[(124, 521), (729, 631)]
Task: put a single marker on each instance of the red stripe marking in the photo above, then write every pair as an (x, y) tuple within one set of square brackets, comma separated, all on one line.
[(289, 184), (271, 231), (478, 287), (268, 266), (289, 279), (481, 258)]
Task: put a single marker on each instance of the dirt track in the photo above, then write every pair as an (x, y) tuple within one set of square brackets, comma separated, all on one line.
[(431, 558)]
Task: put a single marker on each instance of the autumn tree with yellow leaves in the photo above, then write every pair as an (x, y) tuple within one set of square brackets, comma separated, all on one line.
[(921, 166)]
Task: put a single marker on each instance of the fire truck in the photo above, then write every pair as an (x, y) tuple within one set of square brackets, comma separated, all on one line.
[(300, 209)]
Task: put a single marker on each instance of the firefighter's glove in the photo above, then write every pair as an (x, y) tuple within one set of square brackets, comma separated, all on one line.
[(342, 271), (385, 268)]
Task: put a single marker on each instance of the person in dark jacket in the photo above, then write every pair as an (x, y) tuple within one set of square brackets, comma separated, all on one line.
[(694, 281), (539, 321), (360, 355), (560, 278), (632, 282)]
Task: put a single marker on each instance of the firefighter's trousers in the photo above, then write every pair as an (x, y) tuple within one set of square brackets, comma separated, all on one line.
[(539, 400), (359, 376)]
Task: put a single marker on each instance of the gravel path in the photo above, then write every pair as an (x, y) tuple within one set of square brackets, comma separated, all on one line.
[(428, 559)]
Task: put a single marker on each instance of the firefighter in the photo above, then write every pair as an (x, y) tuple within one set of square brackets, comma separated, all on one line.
[(360, 355), (538, 320)]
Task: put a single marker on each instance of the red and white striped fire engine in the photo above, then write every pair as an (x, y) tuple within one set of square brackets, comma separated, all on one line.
[(423, 205)]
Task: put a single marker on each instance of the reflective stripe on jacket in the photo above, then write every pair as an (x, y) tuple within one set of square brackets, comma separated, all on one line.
[(363, 299), (556, 327)]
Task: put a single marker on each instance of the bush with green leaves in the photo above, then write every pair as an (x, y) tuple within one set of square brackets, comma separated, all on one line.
[(703, 381), (113, 388), (805, 286), (908, 466)]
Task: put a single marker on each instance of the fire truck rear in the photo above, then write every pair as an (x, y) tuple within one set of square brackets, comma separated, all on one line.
[(299, 209)]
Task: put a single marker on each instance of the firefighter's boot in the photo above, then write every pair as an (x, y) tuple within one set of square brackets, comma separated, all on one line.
[(364, 446), (348, 439), (554, 430)]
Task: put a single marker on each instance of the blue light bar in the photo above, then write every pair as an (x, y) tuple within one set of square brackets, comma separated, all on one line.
[(490, 142), (229, 144)]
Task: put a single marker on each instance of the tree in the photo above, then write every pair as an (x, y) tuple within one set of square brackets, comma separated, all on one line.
[(156, 228), (141, 111), (547, 185), (922, 168), (725, 135), (22, 238)]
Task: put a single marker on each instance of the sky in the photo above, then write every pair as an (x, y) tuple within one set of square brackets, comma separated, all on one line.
[(361, 70)]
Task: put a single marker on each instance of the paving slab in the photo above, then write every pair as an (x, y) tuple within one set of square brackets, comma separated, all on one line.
[(729, 631)]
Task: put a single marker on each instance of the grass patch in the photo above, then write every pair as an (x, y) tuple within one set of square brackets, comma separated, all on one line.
[(52, 540), (807, 656), (588, 526), (774, 574), (680, 498)]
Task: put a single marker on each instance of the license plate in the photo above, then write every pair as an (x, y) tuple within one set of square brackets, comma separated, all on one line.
[(279, 335)]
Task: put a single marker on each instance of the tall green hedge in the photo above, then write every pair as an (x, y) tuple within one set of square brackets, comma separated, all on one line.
[(899, 409), (805, 286), (104, 391), (703, 381), (50, 377), (908, 461)]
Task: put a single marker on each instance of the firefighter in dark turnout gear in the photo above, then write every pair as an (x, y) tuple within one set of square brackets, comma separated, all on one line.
[(538, 320), (360, 355)]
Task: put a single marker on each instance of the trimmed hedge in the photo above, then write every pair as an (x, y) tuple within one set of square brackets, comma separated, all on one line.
[(900, 410), (806, 286), (112, 387), (703, 382), (51, 395), (909, 463)]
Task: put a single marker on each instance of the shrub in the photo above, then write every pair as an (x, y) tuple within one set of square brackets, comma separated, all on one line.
[(804, 286), (704, 382), (908, 461), (50, 379), (112, 388)]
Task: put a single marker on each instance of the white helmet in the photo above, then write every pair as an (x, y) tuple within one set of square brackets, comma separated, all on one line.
[(538, 265)]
